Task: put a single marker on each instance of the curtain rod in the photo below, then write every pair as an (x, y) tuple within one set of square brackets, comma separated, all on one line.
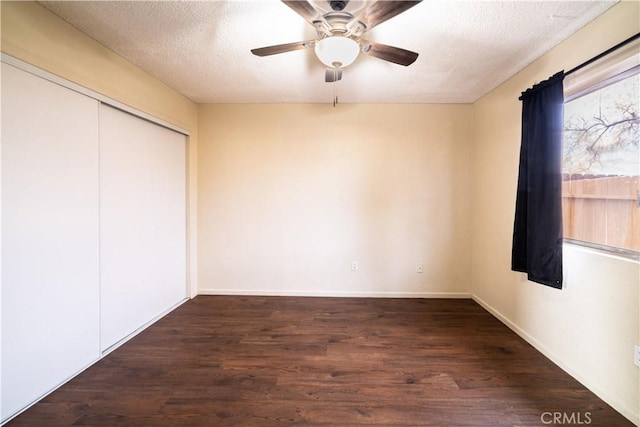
[(600, 55)]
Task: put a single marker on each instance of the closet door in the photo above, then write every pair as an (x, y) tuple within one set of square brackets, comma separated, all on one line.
[(50, 290), (142, 222)]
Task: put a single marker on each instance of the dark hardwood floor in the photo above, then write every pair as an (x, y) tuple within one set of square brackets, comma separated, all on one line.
[(263, 361)]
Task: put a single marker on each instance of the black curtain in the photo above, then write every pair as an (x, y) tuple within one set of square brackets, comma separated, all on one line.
[(537, 230)]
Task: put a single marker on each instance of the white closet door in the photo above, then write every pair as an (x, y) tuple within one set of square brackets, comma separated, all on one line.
[(50, 290), (142, 222)]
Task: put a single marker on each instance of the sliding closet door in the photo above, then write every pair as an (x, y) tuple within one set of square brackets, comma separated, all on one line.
[(50, 291), (142, 222)]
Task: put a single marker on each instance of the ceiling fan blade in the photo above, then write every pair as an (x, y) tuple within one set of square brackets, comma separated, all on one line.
[(382, 11), (282, 48), (389, 53), (303, 8), (332, 75)]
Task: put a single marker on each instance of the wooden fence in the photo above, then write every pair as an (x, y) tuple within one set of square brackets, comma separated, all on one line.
[(602, 209)]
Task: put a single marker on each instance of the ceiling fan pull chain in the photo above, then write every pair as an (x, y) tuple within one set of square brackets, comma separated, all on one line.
[(335, 87)]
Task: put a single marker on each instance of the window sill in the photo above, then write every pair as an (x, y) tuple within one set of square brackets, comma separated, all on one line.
[(607, 251)]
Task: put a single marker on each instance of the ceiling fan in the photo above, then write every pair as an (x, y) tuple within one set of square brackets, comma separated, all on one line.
[(339, 32)]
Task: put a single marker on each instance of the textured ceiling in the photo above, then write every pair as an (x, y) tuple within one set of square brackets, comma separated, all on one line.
[(202, 48)]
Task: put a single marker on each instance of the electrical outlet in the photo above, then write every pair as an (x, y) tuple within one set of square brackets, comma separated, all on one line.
[(419, 268), (354, 265), (636, 355)]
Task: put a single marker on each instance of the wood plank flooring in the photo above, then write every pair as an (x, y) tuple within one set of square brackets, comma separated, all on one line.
[(289, 361)]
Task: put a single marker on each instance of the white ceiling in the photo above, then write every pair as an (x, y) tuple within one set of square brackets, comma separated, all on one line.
[(202, 48)]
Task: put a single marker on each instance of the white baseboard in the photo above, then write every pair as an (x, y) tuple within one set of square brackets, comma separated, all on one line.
[(629, 413), (343, 294)]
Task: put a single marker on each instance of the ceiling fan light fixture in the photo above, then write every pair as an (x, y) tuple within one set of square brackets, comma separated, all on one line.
[(337, 51)]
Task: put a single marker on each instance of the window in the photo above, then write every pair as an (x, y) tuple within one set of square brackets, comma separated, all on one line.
[(601, 157)]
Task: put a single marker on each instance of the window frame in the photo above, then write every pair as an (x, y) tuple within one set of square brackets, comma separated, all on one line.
[(606, 72)]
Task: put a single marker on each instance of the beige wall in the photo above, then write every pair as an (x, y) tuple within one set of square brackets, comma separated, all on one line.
[(34, 35), (291, 194), (590, 327)]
